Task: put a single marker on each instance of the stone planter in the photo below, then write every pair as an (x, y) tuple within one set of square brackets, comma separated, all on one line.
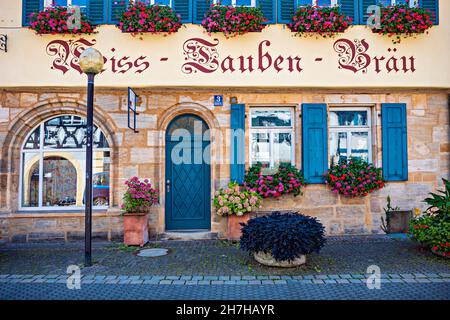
[(234, 228), (268, 260), (399, 221), (135, 228)]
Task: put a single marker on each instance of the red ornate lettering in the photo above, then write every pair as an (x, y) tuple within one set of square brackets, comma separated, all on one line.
[(352, 54), (201, 55)]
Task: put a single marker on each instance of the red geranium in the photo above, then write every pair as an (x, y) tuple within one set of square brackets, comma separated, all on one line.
[(53, 20), (233, 21), (355, 177), (315, 20), (142, 17), (401, 20)]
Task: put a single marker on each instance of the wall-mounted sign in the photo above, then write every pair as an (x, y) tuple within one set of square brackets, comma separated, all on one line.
[(4, 42), (218, 100)]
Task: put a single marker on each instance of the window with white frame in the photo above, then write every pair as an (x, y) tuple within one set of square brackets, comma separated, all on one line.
[(67, 3), (350, 134), (247, 3), (53, 165), (412, 3), (321, 3), (271, 136)]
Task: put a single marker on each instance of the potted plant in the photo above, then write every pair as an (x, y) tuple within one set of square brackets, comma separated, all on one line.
[(236, 204), (353, 178), (403, 21), (53, 20), (282, 240), (137, 200), (141, 17), (432, 228), (319, 21), (233, 20), (286, 179)]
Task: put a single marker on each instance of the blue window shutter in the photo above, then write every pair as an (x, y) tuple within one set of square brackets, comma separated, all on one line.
[(116, 8), (96, 11), (350, 8), (237, 149), (268, 8), (200, 8), (184, 9), (433, 6), (314, 141), (286, 9), (363, 5), (394, 136), (28, 7)]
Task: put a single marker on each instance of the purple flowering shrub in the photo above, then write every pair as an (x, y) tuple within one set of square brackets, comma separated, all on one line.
[(140, 195)]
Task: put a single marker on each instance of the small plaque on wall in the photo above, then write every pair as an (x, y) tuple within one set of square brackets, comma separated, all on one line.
[(218, 100)]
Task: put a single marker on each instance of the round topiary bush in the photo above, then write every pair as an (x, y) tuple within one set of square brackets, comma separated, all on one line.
[(286, 237)]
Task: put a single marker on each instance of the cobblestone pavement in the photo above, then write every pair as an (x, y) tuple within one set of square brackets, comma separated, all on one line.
[(389, 291), (219, 270), (221, 258)]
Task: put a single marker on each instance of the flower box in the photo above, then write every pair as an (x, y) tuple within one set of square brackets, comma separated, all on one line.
[(402, 21), (353, 178), (286, 179), (233, 21), (56, 20), (319, 21), (141, 17)]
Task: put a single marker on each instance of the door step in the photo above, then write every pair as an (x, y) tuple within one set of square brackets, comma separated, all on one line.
[(188, 235)]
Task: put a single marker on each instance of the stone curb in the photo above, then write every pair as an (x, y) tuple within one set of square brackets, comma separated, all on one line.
[(227, 280)]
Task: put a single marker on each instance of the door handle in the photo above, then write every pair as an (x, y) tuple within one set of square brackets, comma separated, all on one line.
[(167, 185)]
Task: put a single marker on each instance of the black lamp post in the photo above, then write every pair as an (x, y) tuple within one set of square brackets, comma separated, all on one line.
[(91, 63)]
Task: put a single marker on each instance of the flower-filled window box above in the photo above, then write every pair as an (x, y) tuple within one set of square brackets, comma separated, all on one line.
[(60, 20), (233, 20), (141, 17), (319, 21), (401, 20), (353, 178), (286, 179)]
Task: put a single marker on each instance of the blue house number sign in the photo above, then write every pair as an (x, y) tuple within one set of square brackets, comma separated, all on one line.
[(218, 101)]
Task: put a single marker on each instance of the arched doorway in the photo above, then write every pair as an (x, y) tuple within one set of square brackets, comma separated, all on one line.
[(188, 174)]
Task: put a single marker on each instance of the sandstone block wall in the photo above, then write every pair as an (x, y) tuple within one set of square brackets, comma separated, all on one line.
[(142, 154)]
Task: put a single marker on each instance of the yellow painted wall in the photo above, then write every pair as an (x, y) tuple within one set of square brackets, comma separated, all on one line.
[(27, 62)]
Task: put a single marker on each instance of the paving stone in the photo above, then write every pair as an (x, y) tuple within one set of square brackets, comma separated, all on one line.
[(211, 278), (330, 281), (197, 278), (230, 282), (112, 281), (358, 276), (149, 281), (267, 282), (318, 281), (125, 281), (254, 282), (422, 280), (165, 282), (236, 278), (274, 277), (306, 281), (445, 275), (186, 278), (262, 277), (309, 277), (204, 282), (396, 280), (432, 275), (217, 282), (394, 276), (436, 280), (419, 275), (334, 276), (241, 282), (321, 277), (355, 281), (179, 282), (407, 276), (172, 278), (342, 281), (409, 280), (191, 282), (345, 276)]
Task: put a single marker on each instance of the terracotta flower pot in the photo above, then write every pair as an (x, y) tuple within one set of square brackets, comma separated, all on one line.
[(135, 228), (234, 228)]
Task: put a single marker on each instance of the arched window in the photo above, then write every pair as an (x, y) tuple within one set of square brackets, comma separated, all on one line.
[(53, 165)]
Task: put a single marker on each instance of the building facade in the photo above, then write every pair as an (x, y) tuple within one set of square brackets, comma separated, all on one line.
[(302, 100)]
